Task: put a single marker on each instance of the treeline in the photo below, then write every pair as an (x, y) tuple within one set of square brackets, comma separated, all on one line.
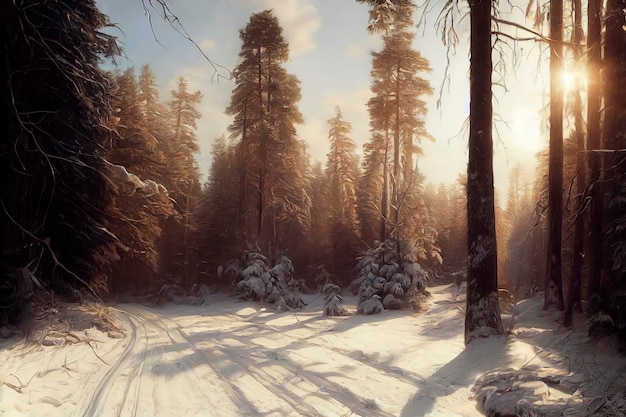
[(104, 192), (263, 193)]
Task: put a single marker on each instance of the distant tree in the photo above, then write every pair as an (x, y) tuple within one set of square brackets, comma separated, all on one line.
[(447, 207), (387, 15), (482, 316), (371, 199), (141, 205), (320, 234), (342, 171), (156, 117), (130, 143), (53, 101), (182, 145), (213, 218), (555, 171), (397, 111), (182, 180)]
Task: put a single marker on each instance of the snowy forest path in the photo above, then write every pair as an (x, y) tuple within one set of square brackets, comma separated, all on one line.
[(229, 357), (235, 365)]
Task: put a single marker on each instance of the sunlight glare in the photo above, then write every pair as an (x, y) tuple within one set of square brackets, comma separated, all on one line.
[(569, 79), (526, 131)]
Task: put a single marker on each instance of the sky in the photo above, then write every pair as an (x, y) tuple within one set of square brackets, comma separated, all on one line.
[(330, 52)]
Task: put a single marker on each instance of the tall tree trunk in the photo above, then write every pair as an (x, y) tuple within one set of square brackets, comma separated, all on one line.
[(555, 170), (594, 142), (384, 200), (396, 163), (262, 138), (482, 316), (242, 215), (574, 296), (615, 165)]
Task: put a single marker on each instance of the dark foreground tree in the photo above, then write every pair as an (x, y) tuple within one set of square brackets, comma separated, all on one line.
[(594, 57), (555, 170), (53, 101), (574, 291), (613, 287), (482, 317)]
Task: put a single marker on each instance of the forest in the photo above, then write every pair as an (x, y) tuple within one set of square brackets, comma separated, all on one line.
[(104, 199)]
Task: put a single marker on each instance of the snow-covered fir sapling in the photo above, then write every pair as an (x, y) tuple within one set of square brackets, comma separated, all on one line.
[(256, 280), (333, 300), (389, 277)]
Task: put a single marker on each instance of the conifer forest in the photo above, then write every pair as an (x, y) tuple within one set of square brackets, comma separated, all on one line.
[(271, 281)]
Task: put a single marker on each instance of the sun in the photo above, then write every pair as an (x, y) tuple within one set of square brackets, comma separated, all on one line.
[(569, 80)]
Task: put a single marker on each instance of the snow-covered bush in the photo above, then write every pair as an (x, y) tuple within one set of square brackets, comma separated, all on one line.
[(333, 300), (256, 280), (389, 277)]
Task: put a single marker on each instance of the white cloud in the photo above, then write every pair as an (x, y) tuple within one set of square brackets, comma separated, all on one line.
[(299, 20), (349, 101), (315, 133), (206, 45), (354, 50), (372, 43)]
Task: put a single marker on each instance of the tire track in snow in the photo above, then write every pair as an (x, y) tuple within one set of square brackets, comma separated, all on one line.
[(167, 327), (99, 397)]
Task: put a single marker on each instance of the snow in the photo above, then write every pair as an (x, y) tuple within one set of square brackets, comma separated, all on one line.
[(228, 357)]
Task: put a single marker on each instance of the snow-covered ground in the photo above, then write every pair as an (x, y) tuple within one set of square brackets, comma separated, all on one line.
[(233, 358)]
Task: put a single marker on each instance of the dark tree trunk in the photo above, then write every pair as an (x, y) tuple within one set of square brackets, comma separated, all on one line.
[(574, 295), (482, 317), (242, 215), (384, 200), (594, 142), (613, 287), (555, 170), (395, 190)]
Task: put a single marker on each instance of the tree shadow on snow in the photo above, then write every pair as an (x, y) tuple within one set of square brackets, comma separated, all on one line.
[(480, 356)]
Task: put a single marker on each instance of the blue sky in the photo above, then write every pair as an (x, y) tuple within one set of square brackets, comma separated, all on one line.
[(330, 54)]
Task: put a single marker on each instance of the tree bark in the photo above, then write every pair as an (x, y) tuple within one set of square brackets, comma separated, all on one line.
[(482, 317), (594, 142), (384, 201), (396, 163), (614, 134), (574, 295), (555, 170)]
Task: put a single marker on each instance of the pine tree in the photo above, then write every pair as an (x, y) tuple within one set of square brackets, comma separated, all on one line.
[(342, 171), (482, 314), (131, 144), (372, 211), (135, 168), (214, 220), (156, 116), (53, 101), (182, 180), (272, 170), (396, 113)]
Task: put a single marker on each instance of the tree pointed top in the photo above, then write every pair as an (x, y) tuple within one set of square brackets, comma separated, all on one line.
[(389, 15)]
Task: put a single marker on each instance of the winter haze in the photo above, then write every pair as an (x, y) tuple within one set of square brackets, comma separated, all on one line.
[(330, 54)]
